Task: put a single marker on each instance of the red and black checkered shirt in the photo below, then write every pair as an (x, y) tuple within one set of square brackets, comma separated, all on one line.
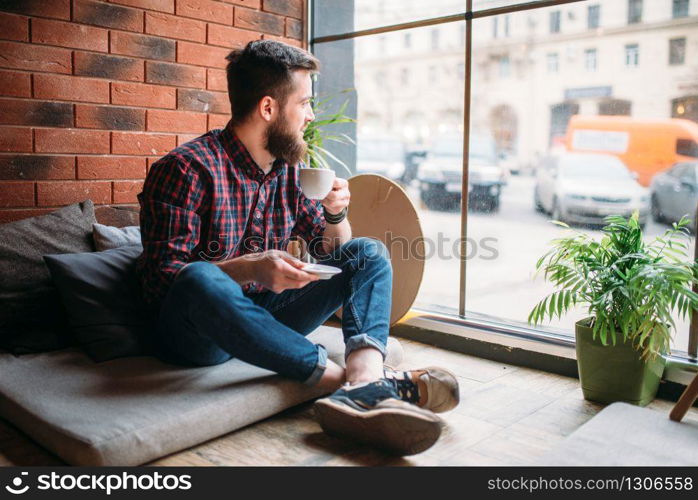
[(208, 200)]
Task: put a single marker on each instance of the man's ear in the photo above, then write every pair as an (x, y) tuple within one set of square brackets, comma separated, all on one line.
[(268, 108)]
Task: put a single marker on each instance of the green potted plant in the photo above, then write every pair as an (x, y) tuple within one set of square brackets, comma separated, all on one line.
[(317, 176), (630, 289)]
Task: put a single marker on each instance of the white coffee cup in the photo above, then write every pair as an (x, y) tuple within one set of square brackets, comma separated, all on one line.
[(316, 183)]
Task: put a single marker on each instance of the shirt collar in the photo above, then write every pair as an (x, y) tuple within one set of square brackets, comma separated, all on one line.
[(242, 158)]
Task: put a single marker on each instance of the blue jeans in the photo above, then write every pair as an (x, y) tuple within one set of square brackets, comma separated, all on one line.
[(206, 319)]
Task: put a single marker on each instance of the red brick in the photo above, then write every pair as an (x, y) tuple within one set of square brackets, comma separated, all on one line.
[(159, 5), (291, 8), (39, 113), (111, 167), (34, 57), (259, 21), (17, 139), (16, 84), (230, 37), (289, 41), (294, 28), (175, 74), (111, 67), (63, 193), (79, 36), (201, 55), (203, 101), (148, 47), (14, 27), (216, 80), (175, 121), (126, 191), (184, 138), (207, 10), (131, 143), (59, 9), (17, 194), (71, 88), (71, 141), (217, 121), (109, 117), (150, 160), (36, 167), (144, 95), (109, 16), (175, 27), (252, 4), (14, 215)]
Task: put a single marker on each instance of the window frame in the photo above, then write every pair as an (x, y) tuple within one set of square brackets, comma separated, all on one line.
[(534, 340)]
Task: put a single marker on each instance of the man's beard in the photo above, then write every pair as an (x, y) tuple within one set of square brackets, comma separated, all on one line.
[(285, 144)]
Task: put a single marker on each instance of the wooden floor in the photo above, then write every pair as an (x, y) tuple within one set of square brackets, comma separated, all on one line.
[(508, 415)]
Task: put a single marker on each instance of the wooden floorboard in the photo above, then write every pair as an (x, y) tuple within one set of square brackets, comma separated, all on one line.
[(508, 415)]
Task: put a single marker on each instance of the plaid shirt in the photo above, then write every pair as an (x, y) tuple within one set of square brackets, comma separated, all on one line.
[(208, 200)]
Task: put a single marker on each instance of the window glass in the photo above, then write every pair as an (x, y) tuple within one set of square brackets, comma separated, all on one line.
[(677, 51), (548, 136), (570, 144), (634, 11), (409, 109)]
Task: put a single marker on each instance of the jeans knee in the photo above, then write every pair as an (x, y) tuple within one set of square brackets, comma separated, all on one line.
[(368, 251)]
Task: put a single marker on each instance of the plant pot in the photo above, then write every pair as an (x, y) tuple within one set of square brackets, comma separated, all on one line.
[(615, 372), (316, 183)]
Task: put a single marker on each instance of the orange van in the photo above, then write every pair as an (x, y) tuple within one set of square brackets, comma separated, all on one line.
[(645, 146)]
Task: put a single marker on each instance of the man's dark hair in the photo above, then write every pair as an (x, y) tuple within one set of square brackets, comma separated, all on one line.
[(263, 68)]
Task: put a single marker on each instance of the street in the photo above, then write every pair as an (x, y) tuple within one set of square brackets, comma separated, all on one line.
[(502, 252)]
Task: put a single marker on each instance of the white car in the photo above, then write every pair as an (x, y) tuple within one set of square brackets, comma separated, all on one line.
[(586, 187)]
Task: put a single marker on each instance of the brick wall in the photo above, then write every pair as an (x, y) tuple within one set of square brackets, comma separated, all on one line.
[(92, 92)]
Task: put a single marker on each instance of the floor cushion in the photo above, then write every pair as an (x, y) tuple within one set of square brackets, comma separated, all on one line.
[(130, 411), (624, 434)]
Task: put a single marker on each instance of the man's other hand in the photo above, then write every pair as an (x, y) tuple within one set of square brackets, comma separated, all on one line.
[(277, 270)]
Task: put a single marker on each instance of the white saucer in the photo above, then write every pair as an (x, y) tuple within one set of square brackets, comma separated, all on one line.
[(321, 271)]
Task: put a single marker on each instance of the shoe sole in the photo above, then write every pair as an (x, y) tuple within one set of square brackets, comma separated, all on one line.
[(393, 429)]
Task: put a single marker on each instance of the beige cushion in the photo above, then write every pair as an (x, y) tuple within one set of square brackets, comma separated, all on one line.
[(623, 434), (130, 411)]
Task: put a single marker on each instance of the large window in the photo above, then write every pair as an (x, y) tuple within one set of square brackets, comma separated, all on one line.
[(679, 8), (632, 55), (552, 133), (593, 16), (677, 51), (634, 11)]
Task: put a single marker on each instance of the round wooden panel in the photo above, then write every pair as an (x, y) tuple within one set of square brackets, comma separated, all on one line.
[(380, 208)]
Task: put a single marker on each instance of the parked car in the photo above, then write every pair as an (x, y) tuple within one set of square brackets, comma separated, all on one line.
[(441, 173), (586, 187), (380, 155), (674, 193)]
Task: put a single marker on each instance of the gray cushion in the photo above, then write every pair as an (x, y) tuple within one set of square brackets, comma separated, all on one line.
[(130, 411), (102, 297), (30, 313), (108, 237), (623, 434)]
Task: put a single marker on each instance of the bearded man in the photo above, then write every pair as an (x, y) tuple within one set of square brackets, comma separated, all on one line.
[(216, 216)]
